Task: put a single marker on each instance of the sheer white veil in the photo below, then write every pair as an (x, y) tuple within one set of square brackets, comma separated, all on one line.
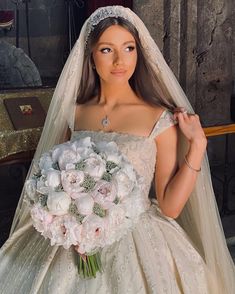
[(200, 217)]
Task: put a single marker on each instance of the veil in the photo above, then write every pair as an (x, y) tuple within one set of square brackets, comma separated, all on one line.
[(200, 217)]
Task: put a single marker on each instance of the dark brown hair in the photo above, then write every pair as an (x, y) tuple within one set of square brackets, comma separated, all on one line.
[(144, 81)]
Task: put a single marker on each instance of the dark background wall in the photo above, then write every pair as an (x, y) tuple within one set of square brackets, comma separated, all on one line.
[(197, 38), (48, 33)]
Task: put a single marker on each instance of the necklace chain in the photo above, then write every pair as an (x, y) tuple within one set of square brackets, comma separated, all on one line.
[(105, 121)]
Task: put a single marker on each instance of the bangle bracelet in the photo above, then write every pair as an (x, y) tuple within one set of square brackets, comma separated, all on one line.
[(189, 165)]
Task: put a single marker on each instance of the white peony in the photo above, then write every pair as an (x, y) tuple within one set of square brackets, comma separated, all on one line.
[(71, 181), (45, 163), (58, 150), (84, 147), (68, 156), (65, 231), (58, 203), (73, 231), (85, 204), (76, 195), (95, 166), (83, 143), (110, 152), (53, 179), (93, 233), (58, 231)]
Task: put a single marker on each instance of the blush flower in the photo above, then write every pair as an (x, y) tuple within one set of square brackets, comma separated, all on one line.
[(93, 232), (72, 180), (41, 219), (65, 231), (104, 193)]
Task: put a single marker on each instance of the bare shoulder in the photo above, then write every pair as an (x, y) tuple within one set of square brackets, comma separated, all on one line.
[(153, 111)]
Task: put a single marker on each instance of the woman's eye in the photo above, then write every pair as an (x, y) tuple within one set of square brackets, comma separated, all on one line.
[(105, 50), (130, 48)]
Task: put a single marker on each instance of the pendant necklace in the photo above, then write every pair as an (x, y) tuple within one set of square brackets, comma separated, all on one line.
[(105, 121)]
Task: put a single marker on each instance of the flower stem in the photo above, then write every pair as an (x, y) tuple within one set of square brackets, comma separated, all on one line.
[(89, 266)]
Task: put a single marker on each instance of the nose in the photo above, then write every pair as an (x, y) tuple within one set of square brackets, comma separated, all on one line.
[(117, 60)]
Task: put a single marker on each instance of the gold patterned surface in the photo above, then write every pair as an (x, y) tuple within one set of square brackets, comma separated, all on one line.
[(12, 141)]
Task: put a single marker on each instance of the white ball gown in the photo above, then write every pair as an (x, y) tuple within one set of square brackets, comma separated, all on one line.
[(156, 257)]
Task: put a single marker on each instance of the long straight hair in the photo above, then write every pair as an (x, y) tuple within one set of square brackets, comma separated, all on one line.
[(144, 81)]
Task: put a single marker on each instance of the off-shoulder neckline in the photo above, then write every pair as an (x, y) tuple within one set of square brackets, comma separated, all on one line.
[(121, 133)]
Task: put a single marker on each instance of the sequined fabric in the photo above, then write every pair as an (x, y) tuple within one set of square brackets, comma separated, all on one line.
[(12, 141), (156, 257)]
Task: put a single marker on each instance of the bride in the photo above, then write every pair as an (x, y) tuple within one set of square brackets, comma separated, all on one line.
[(116, 86)]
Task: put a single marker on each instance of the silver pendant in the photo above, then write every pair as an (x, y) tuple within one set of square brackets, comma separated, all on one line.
[(105, 121)]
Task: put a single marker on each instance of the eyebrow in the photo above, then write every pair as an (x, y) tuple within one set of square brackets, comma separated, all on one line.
[(108, 43)]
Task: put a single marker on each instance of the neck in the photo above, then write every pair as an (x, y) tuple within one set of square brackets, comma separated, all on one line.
[(112, 95)]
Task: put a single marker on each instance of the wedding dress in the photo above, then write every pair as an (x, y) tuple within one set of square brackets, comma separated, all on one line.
[(156, 257), (159, 256)]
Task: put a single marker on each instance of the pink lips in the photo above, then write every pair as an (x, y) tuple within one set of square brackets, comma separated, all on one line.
[(118, 72)]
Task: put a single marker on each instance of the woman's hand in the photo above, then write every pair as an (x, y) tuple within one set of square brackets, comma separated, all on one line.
[(190, 126)]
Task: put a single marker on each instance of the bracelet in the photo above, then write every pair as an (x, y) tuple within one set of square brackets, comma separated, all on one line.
[(189, 165)]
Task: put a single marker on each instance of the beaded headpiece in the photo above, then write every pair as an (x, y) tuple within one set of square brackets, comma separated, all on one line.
[(103, 13)]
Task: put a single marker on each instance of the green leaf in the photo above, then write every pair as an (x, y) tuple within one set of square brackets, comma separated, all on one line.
[(107, 177), (110, 165), (80, 165), (55, 165), (98, 210), (88, 183), (43, 199)]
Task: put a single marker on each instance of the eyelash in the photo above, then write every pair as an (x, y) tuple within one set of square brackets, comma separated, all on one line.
[(131, 48)]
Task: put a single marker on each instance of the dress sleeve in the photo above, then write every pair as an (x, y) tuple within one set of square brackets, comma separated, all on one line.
[(165, 121)]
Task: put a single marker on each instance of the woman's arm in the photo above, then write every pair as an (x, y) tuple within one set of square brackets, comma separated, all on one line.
[(174, 185)]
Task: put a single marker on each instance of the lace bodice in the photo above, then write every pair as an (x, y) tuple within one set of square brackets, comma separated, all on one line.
[(140, 151)]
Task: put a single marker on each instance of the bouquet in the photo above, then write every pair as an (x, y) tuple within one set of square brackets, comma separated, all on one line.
[(85, 195)]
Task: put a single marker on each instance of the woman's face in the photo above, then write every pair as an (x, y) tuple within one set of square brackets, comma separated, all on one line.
[(115, 55)]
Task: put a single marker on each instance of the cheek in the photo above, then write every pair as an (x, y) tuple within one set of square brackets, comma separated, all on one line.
[(131, 62), (102, 63)]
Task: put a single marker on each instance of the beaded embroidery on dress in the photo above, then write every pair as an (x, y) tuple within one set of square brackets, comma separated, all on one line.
[(157, 257)]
